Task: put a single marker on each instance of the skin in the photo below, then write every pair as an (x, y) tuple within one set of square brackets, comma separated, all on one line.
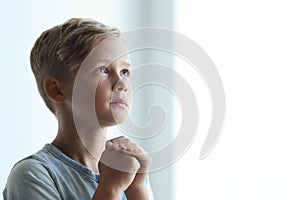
[(128, 147), (85, 141)]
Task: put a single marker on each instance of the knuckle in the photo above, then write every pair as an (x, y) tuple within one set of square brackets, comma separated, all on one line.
[(135, 145)]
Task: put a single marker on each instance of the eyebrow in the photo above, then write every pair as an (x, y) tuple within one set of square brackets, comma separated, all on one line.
[(109, 61)]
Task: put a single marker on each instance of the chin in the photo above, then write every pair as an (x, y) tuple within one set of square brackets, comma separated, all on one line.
[(119, 117), (113, 121), (119, 121)]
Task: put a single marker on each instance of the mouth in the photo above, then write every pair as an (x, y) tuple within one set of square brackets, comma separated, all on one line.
[(121, 103)]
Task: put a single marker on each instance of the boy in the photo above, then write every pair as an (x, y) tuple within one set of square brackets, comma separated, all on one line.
[(82, 68)]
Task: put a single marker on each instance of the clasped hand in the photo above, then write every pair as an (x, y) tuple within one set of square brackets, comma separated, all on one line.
[(124, 165)]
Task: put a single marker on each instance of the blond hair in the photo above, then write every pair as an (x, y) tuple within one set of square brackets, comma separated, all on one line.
[(62, 49)]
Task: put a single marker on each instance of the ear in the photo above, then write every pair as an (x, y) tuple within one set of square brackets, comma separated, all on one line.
[(53, 89)]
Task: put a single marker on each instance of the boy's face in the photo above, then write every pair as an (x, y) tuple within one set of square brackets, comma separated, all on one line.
[(103, 79)]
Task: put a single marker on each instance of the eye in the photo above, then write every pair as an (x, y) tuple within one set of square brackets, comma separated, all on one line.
[(125, 72), (102, 69)]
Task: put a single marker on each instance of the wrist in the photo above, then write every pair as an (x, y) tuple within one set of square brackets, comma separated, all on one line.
[(137, 192), (105, 193), (108, 191)]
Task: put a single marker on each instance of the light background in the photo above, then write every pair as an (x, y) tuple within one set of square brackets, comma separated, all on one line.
[(255, 46)]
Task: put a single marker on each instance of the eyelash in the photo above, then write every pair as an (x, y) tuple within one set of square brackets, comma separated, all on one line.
[(106, 71), (102, 68), (126, 71)]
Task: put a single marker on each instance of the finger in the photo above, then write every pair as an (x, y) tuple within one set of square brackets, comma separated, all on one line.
[(108, 145), (122, 140), (144, 160), (120, 162), (117, 147), (134, 148), (141, 156), (117, 138), (123, 143)]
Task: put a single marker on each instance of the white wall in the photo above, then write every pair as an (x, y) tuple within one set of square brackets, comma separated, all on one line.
[(255, 46)]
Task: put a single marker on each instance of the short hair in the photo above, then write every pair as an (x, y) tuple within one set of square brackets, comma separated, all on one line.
[(62, 49)]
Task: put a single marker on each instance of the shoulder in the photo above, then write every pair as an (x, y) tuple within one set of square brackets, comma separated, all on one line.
[(27, 168), (30, 168), (31, 178)]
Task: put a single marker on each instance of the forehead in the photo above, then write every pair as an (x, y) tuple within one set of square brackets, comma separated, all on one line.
[(109, 50)]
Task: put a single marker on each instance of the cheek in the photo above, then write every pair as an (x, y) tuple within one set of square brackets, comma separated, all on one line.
[(102, 96)]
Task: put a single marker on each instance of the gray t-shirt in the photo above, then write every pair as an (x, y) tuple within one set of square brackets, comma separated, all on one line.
[(50, 174)]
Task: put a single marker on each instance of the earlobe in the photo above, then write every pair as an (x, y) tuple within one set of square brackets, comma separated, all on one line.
[(52, 87)]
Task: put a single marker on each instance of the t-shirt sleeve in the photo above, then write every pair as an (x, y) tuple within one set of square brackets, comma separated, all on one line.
[(30, 180)]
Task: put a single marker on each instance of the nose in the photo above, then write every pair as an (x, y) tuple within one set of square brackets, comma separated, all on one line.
[(120, 86)]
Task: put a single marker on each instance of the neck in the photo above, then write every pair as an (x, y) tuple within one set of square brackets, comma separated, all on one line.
[(84, 145)]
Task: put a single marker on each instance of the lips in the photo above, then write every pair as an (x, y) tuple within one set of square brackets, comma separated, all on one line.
[(119, 102)]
